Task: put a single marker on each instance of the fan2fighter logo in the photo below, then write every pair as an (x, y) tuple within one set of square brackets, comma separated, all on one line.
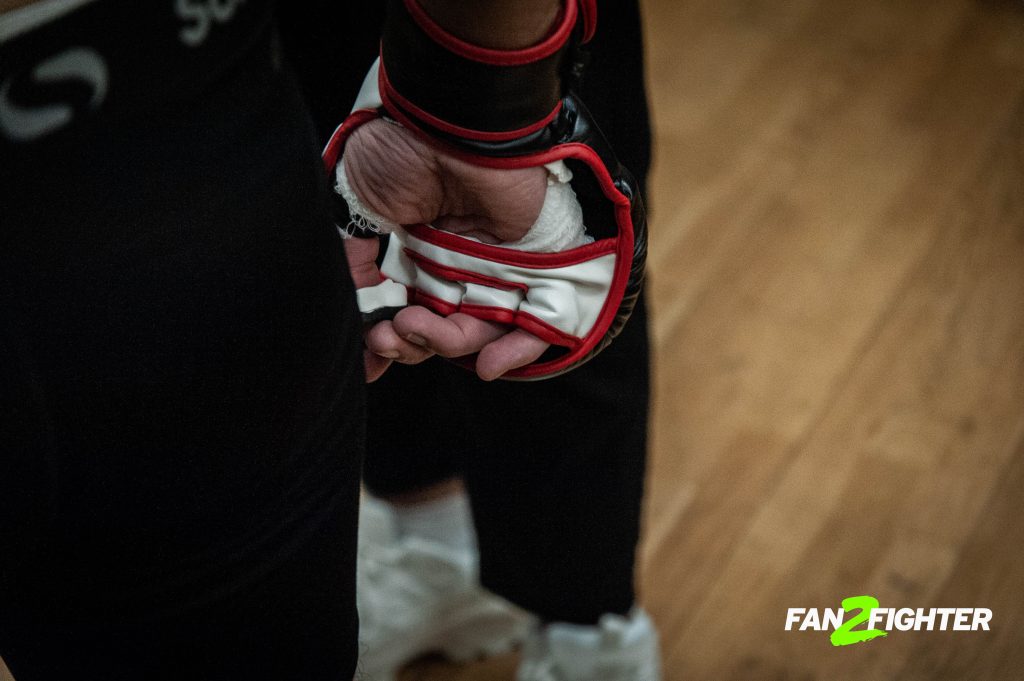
[(880, 621)]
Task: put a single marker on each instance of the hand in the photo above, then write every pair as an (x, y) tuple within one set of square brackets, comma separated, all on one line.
[(407, 181)]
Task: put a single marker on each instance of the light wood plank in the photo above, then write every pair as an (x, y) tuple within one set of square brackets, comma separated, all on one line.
[(883, 495)]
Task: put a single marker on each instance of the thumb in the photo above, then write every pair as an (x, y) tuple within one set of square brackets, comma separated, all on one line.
[(362, 260)]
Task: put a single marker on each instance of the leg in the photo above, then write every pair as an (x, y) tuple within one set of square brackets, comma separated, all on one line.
[(179, 338), (554, 469), (557, 496)]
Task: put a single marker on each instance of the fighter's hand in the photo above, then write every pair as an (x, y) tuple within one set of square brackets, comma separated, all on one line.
[(405, 180)]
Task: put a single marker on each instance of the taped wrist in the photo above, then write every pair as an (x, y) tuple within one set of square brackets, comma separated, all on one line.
[(449, 87)]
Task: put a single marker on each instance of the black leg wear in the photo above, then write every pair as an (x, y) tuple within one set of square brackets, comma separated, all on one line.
[(181, 391), (554, 468)]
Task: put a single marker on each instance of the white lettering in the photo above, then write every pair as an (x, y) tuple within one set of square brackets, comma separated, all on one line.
[(961, 623), (875, 619), (811, 621), (904, 619), (201, 14), (793, 616), (888, 619), (195, 34), (833, 618), (945, 612), (922, 618), (982, 616), (21, 123), (223, 10)]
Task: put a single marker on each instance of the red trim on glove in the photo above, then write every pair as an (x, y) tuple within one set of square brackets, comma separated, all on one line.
[(541, 329), (548, 46), (463, 276), (391, 98), (501, 315), (438, 305), (332, 152), (490, 313), (525, 321), (622, 244), (510, 256)]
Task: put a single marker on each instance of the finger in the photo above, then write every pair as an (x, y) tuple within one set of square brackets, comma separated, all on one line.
[(511, 351), (382, 340), (362, 260), (452, 336), (375, 365)]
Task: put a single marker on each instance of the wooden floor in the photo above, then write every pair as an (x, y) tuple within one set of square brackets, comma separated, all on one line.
[(838, 286)]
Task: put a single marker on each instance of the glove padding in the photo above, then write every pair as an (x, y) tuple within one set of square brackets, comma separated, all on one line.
[(576, 299)]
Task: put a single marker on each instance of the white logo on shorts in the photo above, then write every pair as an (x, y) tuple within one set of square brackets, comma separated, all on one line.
[(24, 123), (202, 14)]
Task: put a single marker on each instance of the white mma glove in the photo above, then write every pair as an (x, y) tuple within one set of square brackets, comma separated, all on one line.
[(569, 286)]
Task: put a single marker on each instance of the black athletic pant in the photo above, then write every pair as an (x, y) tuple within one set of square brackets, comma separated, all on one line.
[(181, 388), (554, 468)]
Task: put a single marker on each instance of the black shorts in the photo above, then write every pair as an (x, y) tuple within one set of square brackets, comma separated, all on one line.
[(181, 389)]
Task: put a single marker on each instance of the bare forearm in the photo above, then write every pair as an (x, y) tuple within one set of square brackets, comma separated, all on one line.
[(497, 24)]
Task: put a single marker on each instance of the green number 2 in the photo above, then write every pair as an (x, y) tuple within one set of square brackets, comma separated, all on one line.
[(844, 636)]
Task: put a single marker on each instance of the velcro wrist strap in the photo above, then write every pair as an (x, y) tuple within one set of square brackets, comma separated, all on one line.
[(448, 85)]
